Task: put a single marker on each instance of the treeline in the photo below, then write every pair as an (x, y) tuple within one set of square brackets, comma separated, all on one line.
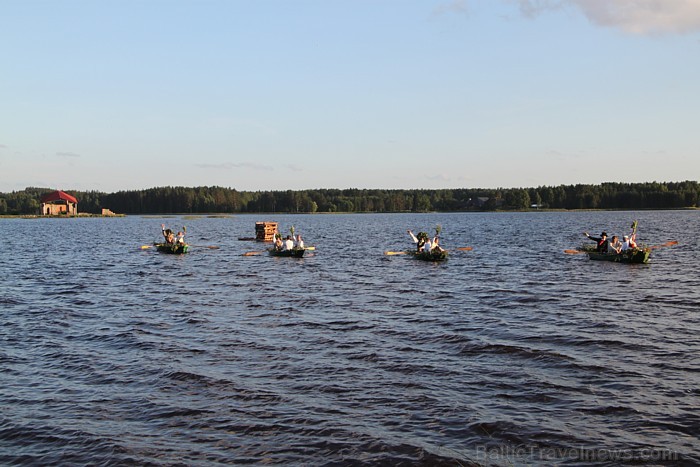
[(654, 195)]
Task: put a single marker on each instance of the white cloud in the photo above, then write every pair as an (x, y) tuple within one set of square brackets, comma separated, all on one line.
[(452, 7), (556, 154), (531, 8), (230, 165), (294, 168), (439, 177), (631, 16)]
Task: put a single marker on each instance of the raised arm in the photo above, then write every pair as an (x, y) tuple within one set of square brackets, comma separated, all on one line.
[(595, 239)]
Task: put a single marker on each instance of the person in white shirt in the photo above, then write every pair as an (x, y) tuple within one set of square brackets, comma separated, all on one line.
[(288, 243), (625, 243), (299, 243)]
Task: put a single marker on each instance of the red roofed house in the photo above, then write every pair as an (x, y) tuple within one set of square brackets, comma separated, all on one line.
[(57, 203)]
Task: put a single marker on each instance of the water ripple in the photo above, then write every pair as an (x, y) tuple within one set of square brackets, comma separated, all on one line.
[(115, 355)]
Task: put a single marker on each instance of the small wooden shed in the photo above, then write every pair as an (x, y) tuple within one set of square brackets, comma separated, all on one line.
[(59, 203)]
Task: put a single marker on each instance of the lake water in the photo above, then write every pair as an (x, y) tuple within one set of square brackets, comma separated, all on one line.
[(513, 353)]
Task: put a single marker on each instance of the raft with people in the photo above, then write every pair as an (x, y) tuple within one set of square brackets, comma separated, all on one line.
[(172, 248), (290, 247), (427, 249), (630, 256), (614, 250), (172, 244)]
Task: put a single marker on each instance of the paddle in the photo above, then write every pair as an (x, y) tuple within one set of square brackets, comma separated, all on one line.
[(252, 253), (670, 243), (465, 248), (145, 247), (573, 252)]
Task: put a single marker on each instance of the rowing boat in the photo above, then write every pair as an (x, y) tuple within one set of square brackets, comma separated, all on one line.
[(293, 253), (173, 249), (631, 256), (432, 255)]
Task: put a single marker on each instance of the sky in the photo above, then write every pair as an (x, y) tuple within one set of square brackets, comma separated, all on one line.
[(117, 95)]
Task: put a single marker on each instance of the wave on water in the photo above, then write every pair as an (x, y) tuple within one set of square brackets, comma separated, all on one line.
[(513, 353)]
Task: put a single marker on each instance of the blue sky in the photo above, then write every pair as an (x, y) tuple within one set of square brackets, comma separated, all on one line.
[(273, 95)]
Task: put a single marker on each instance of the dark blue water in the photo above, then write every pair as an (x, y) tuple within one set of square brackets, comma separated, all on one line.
[(513, 353)]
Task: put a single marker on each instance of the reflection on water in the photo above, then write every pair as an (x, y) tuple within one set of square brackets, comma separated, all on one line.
[(511, 353)]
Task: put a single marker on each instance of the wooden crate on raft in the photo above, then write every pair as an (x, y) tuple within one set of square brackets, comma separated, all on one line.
[(265, 231)]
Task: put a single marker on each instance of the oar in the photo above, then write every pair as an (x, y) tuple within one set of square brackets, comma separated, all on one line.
[(252, 253), (465, 248), (146, 247), (671, 243), (392, 253), (310, 248), (573, 252)]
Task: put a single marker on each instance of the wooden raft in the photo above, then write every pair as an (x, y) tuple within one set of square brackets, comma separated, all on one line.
[(265, 231)]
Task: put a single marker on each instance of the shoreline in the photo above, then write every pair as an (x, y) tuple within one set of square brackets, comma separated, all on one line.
[(37, 216), (230, 215)]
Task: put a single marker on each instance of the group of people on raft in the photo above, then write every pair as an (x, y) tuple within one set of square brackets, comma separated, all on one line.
[(613, 245), (171, 238), (289, 243), (424, 244)]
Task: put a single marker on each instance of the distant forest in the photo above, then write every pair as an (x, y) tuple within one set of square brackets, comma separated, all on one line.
[(163, 200)]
